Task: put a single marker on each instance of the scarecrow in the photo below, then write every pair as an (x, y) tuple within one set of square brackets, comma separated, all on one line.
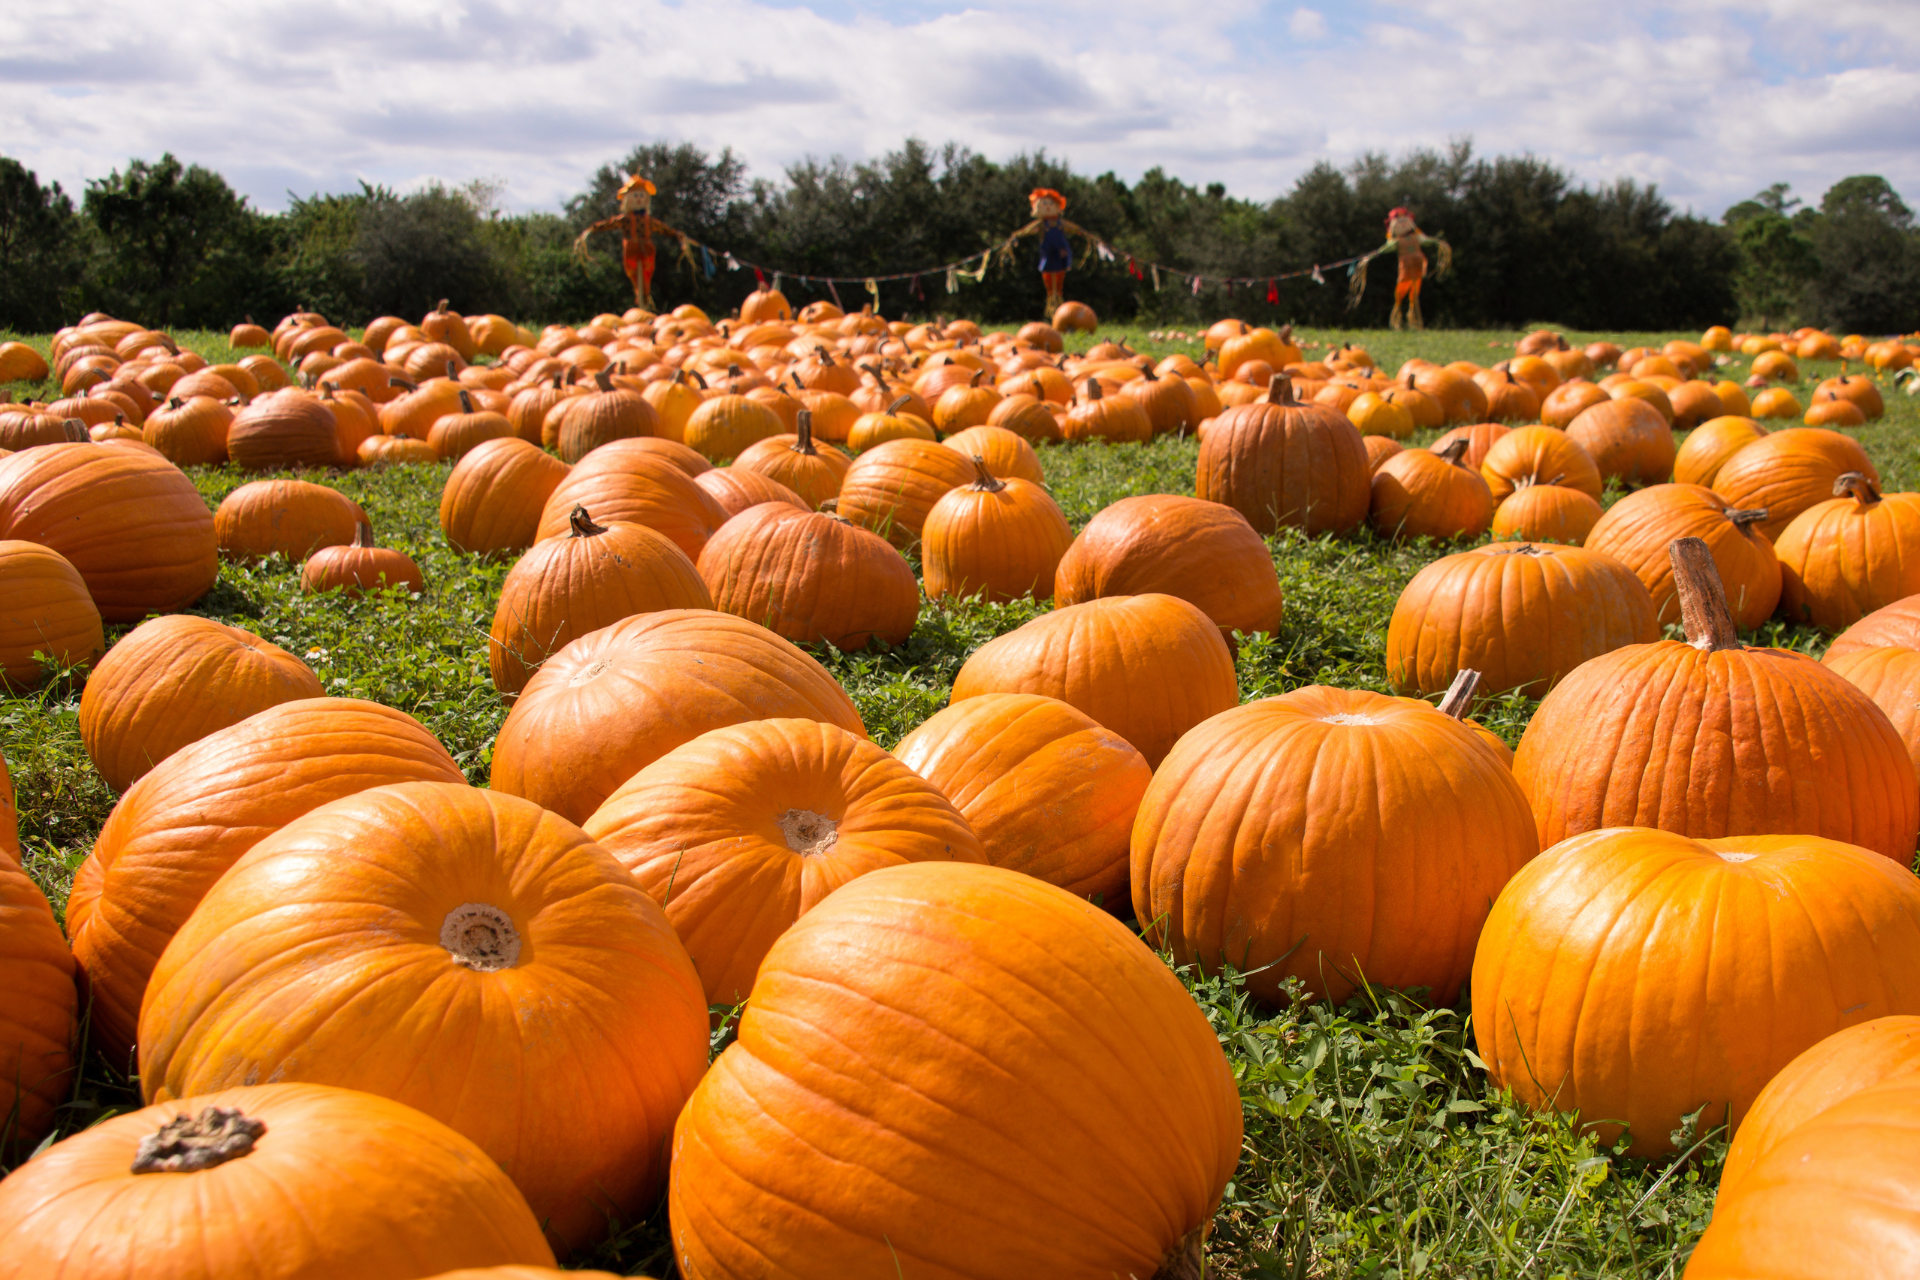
[(637, 227), (1056, 252), (1409, 242)]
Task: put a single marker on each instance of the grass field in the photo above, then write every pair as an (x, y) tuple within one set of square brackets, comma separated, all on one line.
[(1374, 1146)]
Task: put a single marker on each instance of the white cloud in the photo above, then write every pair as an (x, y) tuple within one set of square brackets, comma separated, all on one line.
[(1713, 100)]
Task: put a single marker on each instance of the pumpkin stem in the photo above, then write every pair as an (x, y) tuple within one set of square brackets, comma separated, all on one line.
[(582, 523), (984, 480), (363, 536), (557, 383), (174, 403), (453, 374), (894, 408), (1745, 516), (480, 936), (408, 383), (75, 431), (187, 1144), (803, 428), (1856, 485), (1187, 1259), (1280, 390), (600, 380), (1455, 450), (697, 377), (1093, 389), (441, 309), (1459, 695), (1703, 599), (466, 401)]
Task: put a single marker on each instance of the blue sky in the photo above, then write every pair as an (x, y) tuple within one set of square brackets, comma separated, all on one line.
[(1711, 99)]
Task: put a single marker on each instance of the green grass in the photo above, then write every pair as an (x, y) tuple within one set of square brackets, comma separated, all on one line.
[(1374, 1146)]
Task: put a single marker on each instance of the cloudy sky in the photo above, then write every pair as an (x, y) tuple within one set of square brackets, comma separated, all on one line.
[(1712, 99)]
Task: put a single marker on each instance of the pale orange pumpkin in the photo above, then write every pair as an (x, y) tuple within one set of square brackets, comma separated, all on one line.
[(1203, 552)]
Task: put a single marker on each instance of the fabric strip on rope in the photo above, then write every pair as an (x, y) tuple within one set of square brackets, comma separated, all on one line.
[(707, 259)]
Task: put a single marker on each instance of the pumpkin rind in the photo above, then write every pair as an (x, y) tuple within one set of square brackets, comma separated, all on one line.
[(1626, 438), (1897, 624), (494, 496), (625, 482), (1638, 530), (891, 487), (997, 539), (810, 577), (44, 608), (37, 1018), (287, 429), (1844, 558), (291, 518), (1203, 552), (1789, 471), (1281, 463)]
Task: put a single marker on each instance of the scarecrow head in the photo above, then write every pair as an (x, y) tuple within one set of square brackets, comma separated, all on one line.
[(1399, 223), (1047, 203), (635, 194)]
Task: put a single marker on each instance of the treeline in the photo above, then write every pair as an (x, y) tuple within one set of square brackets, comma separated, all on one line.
[(170, 243)]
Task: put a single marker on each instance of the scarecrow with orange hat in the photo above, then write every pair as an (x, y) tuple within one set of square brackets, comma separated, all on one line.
[(1056, 251), (1409, 241), (637, 227)]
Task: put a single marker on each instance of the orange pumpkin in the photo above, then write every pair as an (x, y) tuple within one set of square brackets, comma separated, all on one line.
[(1638, 530), (1110, 419), (129, 522), (1845, 558), (1624, 972), (380, 1188), (1523, 616), (396, 451), (173, 680), (1048, 790), (1027, 416), (437, 917), (1544, 513), (812, 473), (1279, 462), (810, 577), (190, 433), (997, 539), (289, 518), (494, 496), (454, 435), (1006, 453), (1626, 438), (1542, 455), (723, 427), (1896, 625), (361, 566), (804, 1148), (182, 825), (46, 610), (1787, 472), (37, 1017), (891, 488), (1708, 738), (1891, 677), (628, 483), (286, 429), (1111, 658), (1383, 829), (619, 698), (1710, 444), (1202, 552), (1167, 401), (602, 416), (1418, 493), (738, 488), (746, 828)]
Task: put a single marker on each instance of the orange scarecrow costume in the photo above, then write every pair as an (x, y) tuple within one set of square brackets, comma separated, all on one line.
[(1409, 242), (637, 227)]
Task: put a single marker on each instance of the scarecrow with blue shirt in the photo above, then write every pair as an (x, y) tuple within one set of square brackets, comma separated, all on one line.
[(1056, 251)]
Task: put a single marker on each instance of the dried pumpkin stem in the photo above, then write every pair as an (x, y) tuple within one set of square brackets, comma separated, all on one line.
[(582, 524), (601, 379), (1187, 1259), (1280, 390), (1744, 517), (803, 428), (363, 536), (187, 1144), (897, 405), (1455, 451), (1856, 485), (1459, 695), (984, 480), (1703, 600), (466, 401)]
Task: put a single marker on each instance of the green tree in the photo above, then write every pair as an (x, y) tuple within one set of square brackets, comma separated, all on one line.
[(174, 244), (1776, 258), (1869, 252), (39, 250), (414, 250)]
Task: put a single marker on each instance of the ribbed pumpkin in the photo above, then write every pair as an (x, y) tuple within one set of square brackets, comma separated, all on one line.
[(805, 1148), (1115, 659), (173, 680), (745, 829), (670, 450), (37, 1016), (1168, 402), (1522, 615), (455, 435), (810, 577), (1481, 437), (602, 416), (1787, 472), (1379, 449), (289, 518), (967, 404), (44, 608), (1708, 738), (1851, 555), (415, 412), (723, 427), (891, 488), (995, 539), (617, 699), (1328, 834), (1109, 419), (396, 451), (201, 1187), (527, 411), (1027, 417), (738, 489), (494, 496), (1006, 453), (359, 567), (190, 433), (896, 422), (566, 587), (1638, 530), (1626, 438), (1282, 463), (1709, 445), (1049, 791), (179, 828), (1421, 494), (813, 473), (524, 991), (1638, 975), (287, 430), (626, 483), (132, 525), (1897, 624), (1544, 513), (1891, 677), (1542, 455), (1202, 552)]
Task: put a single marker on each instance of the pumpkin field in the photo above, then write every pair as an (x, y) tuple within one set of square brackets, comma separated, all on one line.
[(812, 796)]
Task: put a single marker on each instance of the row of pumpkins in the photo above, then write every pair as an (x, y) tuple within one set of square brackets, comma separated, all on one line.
[(311, 896)]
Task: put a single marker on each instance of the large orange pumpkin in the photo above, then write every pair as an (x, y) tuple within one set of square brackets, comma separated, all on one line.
[(494, 496), (738, 488), (172, 681), (1786, 472), (1709, 445), (1891, 677), (1544, 513), (290, 518), (182, 825), (190, 433), (1523, 615), (628, 483), (1048, 790), (1844, 558), (1148, 667), (517, 984), (996, 539), (127, 520), (1418, 493), (1331, 835), (795, 461), (284, 430), (44, 609), (1636, 975), (746, 828), (1282, 463), (1896, 624), (1203, 552), (891, 488), (869, 1036), (617, 699), (1638, 530), (1006, 452), (37, 1016), (1709, 738), (1628, 439), (203, 1188), (811, 577), (602, 416)]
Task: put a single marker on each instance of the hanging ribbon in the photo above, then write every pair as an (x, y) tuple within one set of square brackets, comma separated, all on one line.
[(1317, 277), (1156, 278), (1196, 286), (914, 288), (707, 259), (873, 287), (759, 279), (836, 294), (953, 279), (1273, 292), (733, 263), (1104, 251)]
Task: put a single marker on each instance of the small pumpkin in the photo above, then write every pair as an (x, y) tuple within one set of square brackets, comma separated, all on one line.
[(494, 495), (1544, 513), (876, 428), (190, 433), (1639, 529), (454, 435), (998, 539), (1203, 552), (1789, 471), (723, 427), (1419, 493), (1626, 438), (46, 610), (1279, 462), (1006, 453), (628, 482), (809, 577), (1845, 558), (1542, 455), (396, 451), (812, 473), (1110, 419), (361, 566)]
